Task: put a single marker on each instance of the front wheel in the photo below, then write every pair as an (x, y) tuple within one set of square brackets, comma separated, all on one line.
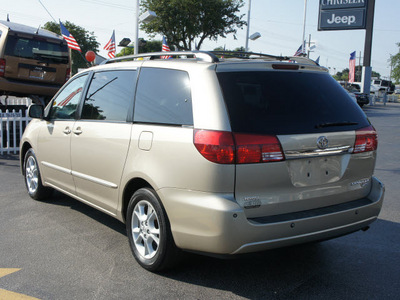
[(149, 231), (33, 181)]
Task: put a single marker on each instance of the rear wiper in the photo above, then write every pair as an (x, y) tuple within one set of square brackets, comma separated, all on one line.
[(332, 124)]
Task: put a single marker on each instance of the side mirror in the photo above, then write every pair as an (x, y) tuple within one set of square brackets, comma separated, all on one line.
[(35, 111)]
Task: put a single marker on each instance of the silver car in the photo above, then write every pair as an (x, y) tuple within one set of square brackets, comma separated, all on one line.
[(214, 155)]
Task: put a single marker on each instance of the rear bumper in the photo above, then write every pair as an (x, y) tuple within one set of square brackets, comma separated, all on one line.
[(215, 223), (26, 88)]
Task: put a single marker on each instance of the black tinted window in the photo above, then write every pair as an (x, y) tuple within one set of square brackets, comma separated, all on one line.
[(109, 96), (65, 104), (288, 103), (164, 97), (37, 48)]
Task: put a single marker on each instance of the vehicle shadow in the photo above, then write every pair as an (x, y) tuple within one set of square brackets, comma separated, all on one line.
[(356, 266)]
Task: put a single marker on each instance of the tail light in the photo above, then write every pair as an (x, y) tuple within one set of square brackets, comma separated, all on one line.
[(216, 146), (228, 148), (366, 140), (2, 67), (257, 148), (67, 74)]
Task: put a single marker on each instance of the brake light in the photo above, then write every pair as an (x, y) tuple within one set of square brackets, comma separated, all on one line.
[(226, 148), (366, 140), (2, 67), (252, 148), (216, 146), (67, 74)]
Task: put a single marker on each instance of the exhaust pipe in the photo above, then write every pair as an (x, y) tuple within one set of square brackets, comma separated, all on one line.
[(365, 228)]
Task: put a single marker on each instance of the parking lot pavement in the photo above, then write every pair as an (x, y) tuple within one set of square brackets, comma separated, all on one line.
[(63, 249)]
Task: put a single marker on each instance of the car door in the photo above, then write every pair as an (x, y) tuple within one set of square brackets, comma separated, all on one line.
[(101, 137), (55, 138)]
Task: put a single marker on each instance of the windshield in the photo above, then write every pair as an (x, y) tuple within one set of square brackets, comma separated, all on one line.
[(266, 102), (37, 48)]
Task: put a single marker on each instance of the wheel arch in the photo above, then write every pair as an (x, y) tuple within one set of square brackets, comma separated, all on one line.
[(130, 188), (24, 148)]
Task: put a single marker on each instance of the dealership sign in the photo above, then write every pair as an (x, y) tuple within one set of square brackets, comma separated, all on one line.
[(342, 14)]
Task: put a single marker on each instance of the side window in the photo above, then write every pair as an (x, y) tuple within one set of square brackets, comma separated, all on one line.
[(67, 101), (109, 96), (163, 96)]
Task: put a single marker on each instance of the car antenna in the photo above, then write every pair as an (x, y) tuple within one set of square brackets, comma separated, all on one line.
[(37, 30)]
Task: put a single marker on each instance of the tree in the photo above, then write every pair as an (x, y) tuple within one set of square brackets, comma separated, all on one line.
[(183, 21), (85, 39), (344, 74), (395, 63), (145, 47)]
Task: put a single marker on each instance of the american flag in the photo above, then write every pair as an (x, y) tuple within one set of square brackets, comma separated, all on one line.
[(352, 66), (110, 46), (299, 51), (69, 38), (165, 48)]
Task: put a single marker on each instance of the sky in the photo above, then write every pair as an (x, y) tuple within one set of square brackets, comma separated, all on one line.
[(280, 24)]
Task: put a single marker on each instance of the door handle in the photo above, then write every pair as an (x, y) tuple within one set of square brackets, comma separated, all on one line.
[(67, 130), (78, 131)]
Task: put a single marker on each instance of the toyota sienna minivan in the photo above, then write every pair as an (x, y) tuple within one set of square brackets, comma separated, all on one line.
[(220, 156)]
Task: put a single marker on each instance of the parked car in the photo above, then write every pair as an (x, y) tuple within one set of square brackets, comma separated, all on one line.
[(33, 62), (384, 86), (360, 98), (214, 156)]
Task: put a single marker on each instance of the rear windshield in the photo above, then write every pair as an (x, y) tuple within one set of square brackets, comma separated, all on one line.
[(37, 48), (287, 102)]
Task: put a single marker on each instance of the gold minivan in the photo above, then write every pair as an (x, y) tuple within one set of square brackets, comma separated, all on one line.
[(210, 155), (33, 62)]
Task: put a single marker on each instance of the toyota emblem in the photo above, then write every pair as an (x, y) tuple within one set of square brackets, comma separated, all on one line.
[(322, 142)]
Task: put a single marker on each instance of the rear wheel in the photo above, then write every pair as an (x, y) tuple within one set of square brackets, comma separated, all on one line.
[(149, 231), (33, 181)]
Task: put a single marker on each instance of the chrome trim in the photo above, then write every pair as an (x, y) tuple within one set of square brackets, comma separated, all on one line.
[(55, 167), (95, 180), (293, 154), (80, 175)]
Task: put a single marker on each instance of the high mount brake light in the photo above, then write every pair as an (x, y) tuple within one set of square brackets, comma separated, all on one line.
[(224, 147), (366, 140), (289, 66)]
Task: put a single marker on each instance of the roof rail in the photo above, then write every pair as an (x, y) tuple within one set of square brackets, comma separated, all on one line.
[(199, 55), (252, 55)]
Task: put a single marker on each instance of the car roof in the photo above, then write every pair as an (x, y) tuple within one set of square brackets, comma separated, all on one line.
[(16, 27), (192, 60)]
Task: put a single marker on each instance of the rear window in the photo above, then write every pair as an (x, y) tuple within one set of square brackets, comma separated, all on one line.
[(288, 103), (37, 48)]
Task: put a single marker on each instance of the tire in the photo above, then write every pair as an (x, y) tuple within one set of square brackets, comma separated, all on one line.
[(33, 181), (149, 232)]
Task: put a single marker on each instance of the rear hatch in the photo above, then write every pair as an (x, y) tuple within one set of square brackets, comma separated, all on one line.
[(296, 132), (36, 59)]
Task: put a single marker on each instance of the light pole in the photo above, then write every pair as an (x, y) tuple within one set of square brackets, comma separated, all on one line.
[(146, 17), (248, 27)]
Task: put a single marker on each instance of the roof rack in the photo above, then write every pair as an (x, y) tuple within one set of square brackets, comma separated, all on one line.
[(199, 55), (253, 55), (212, 56)]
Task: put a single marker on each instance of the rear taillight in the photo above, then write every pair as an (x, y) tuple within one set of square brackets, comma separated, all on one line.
[(366, 140), (257, 148), (216, 146), (68, 74), (226, 148), (2, 67)]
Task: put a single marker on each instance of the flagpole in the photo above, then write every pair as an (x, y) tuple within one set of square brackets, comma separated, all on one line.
[(303, 41)]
